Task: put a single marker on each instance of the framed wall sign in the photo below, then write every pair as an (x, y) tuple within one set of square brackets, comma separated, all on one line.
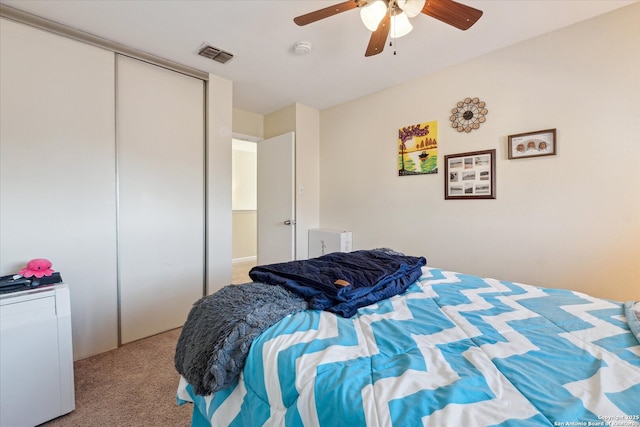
[(532, 144), (470, 175)]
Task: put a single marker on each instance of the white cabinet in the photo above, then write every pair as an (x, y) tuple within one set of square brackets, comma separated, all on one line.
[(323, 241), (36, 356)]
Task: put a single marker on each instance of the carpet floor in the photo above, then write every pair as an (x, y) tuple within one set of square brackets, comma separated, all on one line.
[(132, 386)]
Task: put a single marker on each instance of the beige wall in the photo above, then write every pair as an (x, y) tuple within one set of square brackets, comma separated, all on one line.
[(570, 220), (248, 124), (245, 242), (307, 176), (280, 121)]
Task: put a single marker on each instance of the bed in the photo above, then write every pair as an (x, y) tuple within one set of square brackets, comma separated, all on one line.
[(448, 349)]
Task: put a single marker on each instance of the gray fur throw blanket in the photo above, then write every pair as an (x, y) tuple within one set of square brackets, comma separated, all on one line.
[(632, 313), (220, 328)]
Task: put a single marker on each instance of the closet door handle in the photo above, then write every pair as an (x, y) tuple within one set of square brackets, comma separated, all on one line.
[(290, 222)]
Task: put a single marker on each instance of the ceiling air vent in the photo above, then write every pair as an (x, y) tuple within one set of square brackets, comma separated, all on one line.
[(215, 54)]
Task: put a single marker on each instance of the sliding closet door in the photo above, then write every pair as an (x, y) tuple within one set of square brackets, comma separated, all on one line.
[(160, 156), (57, 172)]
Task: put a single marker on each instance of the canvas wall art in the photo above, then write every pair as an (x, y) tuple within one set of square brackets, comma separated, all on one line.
[(418, 149)]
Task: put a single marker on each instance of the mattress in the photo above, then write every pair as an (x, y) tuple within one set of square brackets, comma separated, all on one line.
[(452, 350)]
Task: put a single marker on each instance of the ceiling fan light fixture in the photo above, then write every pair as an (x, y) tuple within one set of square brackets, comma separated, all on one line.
[(390, 18), (372, 14), (400, 26), (411, 7)]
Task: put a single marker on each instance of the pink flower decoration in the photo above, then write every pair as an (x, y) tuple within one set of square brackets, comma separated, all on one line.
[(38, 267)]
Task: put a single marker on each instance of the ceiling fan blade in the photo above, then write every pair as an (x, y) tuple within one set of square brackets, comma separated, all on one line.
[(453, 13), (326, 12), (379, 37)]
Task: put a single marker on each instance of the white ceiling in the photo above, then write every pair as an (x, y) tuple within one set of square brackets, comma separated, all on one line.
[(267, 75)]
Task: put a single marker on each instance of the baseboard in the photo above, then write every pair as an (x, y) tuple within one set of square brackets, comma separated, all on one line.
[(244, 259)]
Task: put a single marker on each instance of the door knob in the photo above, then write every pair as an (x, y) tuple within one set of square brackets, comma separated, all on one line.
[(290, 222)]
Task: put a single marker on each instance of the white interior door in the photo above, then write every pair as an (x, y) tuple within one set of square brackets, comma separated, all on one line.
[(160, 140), (276, 199)]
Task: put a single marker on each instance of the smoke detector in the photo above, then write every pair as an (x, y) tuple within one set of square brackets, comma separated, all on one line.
[(302, 47), (215, 53)]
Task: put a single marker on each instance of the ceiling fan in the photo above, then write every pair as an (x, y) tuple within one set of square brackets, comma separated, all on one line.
[(386, 18)]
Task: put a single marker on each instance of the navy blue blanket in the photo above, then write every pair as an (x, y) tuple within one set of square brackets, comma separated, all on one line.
[(343, 282)]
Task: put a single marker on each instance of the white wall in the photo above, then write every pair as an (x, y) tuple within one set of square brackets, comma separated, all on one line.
[(244, 162), (570, 220), (218, 198)]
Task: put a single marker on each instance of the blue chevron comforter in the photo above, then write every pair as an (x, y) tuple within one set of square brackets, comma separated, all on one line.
[(453, 350)]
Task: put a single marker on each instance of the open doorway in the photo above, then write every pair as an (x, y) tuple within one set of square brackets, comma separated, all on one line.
[(244, 207)]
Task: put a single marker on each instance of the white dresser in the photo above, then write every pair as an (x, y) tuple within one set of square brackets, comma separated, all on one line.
[(36, 356)]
